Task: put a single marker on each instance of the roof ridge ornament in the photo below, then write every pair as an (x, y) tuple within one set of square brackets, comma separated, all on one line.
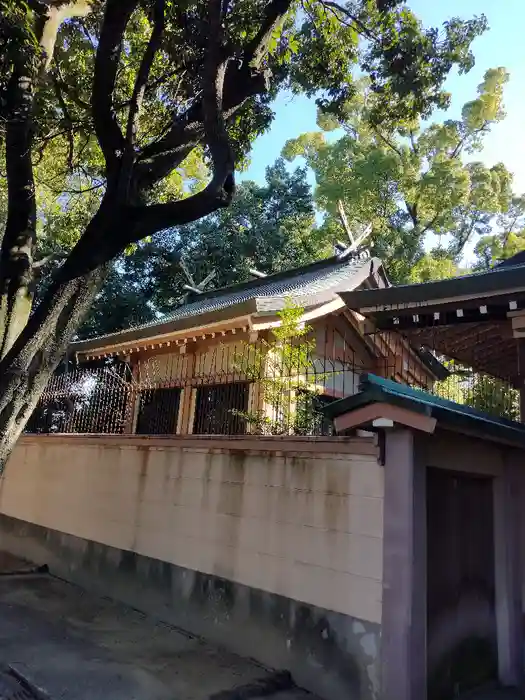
[(192, 286), (342, 253), (257, 273), (342, 249)]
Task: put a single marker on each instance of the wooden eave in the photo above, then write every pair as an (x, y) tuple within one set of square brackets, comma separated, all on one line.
[(473, 319), (178, 335), (176, 339)]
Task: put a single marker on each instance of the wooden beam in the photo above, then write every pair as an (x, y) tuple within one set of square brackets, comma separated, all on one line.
[(399, 320), (366, 415)]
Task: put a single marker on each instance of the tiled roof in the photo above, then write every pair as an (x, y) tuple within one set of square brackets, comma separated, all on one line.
[(309, 285), (302, 283)]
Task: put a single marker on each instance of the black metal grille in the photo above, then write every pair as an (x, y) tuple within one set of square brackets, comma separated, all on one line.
[(232, 389), (219, 409), (83, 401), (309, 418), (158, 411)]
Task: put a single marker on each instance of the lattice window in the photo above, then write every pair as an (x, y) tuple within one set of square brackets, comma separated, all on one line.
[(158, 411), (216, 409)]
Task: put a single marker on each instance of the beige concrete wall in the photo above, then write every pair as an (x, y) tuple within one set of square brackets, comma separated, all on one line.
[(300, 518)]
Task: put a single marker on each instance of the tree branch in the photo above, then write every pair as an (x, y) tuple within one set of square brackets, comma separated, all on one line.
[(242, 80), (430, 224), (71, 92), (151, 219), (107, 130), (226, 85), (509, 229), (461, 143), (158, 159), (47, 259), (150, 87), (274, 15), (128, 157), (51, 14), (67, 118), (412, 211), (214, 73), (387, 141), (219, 191), (144, 71), (83, 190), (415, 149), (465, 235), (88, 36), (363, 29)]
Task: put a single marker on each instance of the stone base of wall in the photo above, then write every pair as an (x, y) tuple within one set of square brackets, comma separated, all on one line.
[(331, 654)]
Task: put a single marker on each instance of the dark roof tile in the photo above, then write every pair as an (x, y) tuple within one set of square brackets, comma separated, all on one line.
[(308, 286), (304, 282)]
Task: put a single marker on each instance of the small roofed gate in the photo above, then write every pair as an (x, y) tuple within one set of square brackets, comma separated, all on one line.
[(475, 320)]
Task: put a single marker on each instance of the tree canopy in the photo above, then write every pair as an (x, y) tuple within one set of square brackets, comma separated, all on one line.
[(269, 227), (409, 180), (134, 113), (507, 237)]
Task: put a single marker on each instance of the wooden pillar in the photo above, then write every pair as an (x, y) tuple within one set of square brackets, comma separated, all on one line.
[(186, 410), (132, 399), (189, 392)]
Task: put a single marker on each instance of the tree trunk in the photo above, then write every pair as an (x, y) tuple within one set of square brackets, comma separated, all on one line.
[(19, 238), (27, 367), (16, 253)]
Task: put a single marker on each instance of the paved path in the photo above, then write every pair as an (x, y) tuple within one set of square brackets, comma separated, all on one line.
[(80, 647)]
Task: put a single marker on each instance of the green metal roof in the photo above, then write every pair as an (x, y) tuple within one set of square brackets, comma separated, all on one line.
[(373, 389)]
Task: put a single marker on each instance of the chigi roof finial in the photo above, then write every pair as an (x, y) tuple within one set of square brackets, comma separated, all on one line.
[(192, 286), (257, 273), (342, 250)]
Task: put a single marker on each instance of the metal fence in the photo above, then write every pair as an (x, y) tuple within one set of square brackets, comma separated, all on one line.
[(247, 389), (113, 399)]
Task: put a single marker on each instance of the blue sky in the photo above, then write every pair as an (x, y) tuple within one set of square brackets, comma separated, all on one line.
[(502, 45)]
